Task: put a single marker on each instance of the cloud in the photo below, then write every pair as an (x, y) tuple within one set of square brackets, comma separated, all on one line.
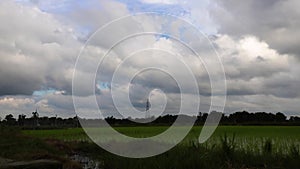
[(160, 1), (86, 17), (40, 40), (252, 67), (263, 103), (276, 22), (248, 58), (37, 51), (16, 102)]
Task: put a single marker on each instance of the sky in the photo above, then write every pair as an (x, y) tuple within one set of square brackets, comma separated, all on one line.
[(256, 41)]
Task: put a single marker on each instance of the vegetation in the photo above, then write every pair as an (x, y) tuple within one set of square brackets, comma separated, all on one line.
[(194, 156), (24, 145), (230, 147), (17, 146), (241, 132), (240, 142), (238, 118)]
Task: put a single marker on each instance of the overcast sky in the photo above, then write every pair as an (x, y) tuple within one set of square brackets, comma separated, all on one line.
[(257, 42)]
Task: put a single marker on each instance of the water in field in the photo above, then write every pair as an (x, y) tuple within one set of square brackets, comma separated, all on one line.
[(86, 162)]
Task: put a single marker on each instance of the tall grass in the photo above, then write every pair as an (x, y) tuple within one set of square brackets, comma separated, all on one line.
[(240, 148), (192, 155)]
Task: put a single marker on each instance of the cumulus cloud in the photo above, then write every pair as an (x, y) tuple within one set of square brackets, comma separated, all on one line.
[(252, 67), (241, 56), (41, 40), (276, 22), (37, 51)]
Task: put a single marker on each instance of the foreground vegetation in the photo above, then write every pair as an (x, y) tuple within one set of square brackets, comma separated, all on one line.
[(194, 156), (230, 147), (16, 146)]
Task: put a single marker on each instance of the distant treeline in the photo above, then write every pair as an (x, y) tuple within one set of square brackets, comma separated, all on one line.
[(237, 118)]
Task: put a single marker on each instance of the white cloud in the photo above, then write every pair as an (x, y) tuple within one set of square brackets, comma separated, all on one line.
[(276, 22), (160, 1), (38, 52), (248, 58)]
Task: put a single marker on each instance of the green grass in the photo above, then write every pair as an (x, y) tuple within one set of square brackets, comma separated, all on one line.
[(61, 134), (17, 146), (251, 138), (274, 147), (241, 132)]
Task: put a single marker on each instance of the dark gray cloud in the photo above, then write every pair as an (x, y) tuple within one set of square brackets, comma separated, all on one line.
[(153, 80), (283, 85)]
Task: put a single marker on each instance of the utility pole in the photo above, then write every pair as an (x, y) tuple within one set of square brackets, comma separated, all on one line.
[(55, 122), (147, 109)]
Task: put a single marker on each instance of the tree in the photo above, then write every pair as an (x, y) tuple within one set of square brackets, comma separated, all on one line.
[(21, 119), (35, 116), (280, 117), (10, 120)]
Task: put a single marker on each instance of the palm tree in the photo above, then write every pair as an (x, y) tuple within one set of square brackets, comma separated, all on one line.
[(35, 118)]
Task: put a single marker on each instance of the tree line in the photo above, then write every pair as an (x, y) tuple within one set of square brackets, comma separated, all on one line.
[(237, 118), (37, 122)]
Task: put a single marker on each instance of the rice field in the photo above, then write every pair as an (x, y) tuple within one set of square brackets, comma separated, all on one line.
[(230, 147), (248, 138)]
